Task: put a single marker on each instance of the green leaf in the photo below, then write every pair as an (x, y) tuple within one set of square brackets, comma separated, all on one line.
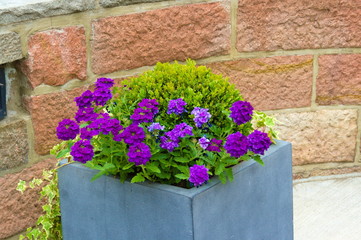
[(153, 168), (219, 169), (183, 169), (160, 156), (63, 153), (138, 178), (127, 166), (258, 159), (223, 178), (182, 176), (21, 186), (182, 159), (229, 173)]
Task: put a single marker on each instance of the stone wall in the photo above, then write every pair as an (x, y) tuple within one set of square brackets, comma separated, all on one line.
[(297, 60)]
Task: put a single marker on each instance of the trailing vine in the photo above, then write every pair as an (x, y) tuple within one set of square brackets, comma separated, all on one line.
[(48, 225)]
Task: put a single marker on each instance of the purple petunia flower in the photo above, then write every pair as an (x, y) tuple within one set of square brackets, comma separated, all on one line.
[(139, 153), (85, 100), (155, 126), (150, 104), (67, 129), (142, 115), (169, 143), (85, 114), (131, 135), (201, 116), (101, 96), (241, 112), (104, 83), (181, 130), (88, 133), (203, 142), (214, 145), (198, 175), (259, 142), (236, 144), (176, 106), (82, 151)]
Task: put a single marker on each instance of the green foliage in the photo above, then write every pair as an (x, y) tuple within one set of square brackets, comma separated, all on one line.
[(48, 225), (196, 85)]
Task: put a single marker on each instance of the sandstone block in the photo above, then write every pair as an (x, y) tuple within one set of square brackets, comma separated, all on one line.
[(22, 10), (14, 147), (56, 56), (292, 24), (271, 83), (115, 3), (175, 33), (46, 112), (20, 211), (320, 136), (339, 79), (10, 47)]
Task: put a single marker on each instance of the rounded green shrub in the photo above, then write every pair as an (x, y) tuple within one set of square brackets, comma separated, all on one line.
[(196, 85)]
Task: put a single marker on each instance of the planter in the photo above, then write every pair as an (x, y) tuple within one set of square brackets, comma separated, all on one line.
[(257, 205)]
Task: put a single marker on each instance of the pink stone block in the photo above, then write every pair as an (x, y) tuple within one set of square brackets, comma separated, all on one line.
[(293, 24), (56, 56), (339, 79), (271, 83), (175, 33)]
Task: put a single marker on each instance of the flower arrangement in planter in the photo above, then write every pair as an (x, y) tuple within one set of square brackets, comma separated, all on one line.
[(172, 136), (177, 131)]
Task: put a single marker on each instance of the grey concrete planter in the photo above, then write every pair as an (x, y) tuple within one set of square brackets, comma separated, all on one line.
[(257, 205)]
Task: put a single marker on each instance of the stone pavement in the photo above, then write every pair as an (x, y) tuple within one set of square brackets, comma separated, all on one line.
[(328, 208)]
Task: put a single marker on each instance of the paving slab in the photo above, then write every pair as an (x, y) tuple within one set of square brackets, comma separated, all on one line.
[(328, 208)]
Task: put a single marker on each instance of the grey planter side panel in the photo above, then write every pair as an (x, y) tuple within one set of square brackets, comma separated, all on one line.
[(120, 211), (254, 205), (81, 210)]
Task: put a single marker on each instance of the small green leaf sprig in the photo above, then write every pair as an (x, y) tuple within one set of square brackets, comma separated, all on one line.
[(48, 225)]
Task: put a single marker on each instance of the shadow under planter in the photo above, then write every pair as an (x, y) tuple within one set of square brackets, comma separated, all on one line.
[(257, 205)]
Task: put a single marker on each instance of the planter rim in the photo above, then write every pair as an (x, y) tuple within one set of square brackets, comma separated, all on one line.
[(192, 192)]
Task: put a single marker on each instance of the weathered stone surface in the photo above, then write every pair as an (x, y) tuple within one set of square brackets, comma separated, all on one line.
[(10, 47), (20, 211), (22, 10), (320, 136), (175, 33), (115, 3), (293, 24), (339, 79), (14, 147), (271, 83), (46, 112), (56, 56)]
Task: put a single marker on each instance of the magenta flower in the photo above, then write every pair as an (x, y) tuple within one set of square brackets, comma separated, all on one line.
[(201, 116), (259, 142), (104, 83), (214, 145), (241, 112), (203, 142), (82, 151), (85, 114), (141, 115), (176, 106), (236, 144), (150, 104), (85, 100), (67, 129), (198, 175), (139, 153)]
